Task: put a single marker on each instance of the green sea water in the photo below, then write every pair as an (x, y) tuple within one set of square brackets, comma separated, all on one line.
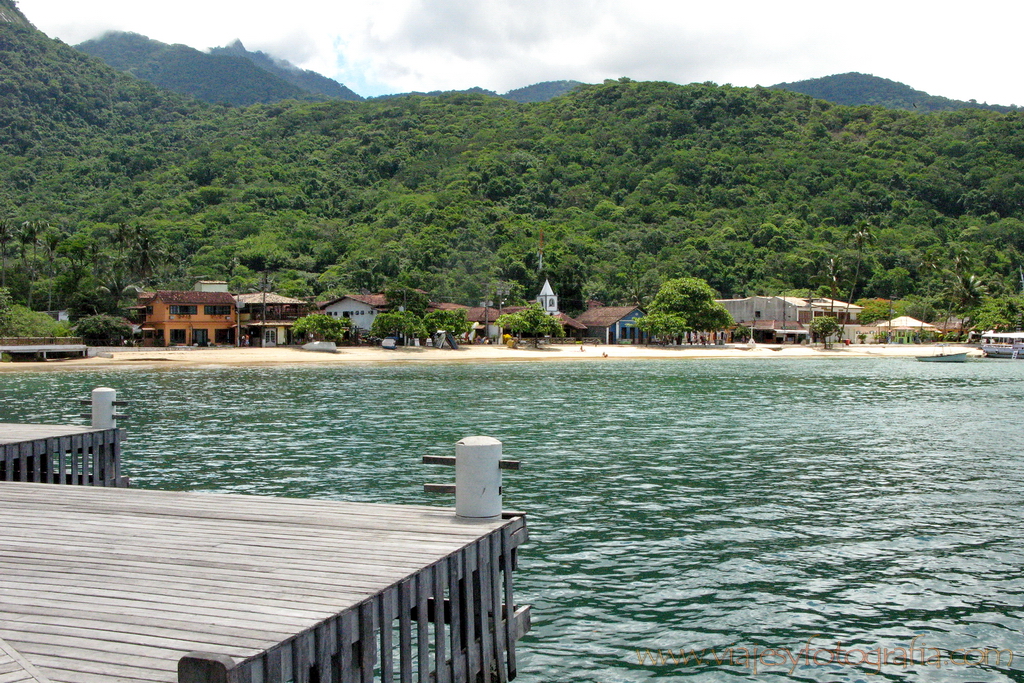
[(719, 506)]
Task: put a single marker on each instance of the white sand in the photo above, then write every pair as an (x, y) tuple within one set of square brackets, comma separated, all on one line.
[(230, 357)]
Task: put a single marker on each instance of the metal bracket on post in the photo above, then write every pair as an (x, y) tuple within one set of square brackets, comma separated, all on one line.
[(477, 486)]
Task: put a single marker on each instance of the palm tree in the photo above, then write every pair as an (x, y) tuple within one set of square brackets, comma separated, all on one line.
[(28, 234), (118, 283), (7, 233), (860, 235), (51, 240), (147, 254), (968, 291)]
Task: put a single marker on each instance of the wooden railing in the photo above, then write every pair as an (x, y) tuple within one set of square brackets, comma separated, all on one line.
[(452, 622), (39, 341), (87, 459)]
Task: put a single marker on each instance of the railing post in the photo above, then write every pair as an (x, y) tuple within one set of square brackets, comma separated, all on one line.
[(103, 408), (478, 477), (203, 667)]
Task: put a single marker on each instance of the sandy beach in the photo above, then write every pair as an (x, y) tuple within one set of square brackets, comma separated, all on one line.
[(149, 358)]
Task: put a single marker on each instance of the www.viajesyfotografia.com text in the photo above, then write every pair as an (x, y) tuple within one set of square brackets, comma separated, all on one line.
[(874, 659)]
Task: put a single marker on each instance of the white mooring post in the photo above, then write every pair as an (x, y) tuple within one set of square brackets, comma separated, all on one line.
[(478, 477), (477, 486), (103, 408)]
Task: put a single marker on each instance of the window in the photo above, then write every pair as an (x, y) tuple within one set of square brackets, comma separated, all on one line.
[(177, 336), (217, 310), (182, 310)]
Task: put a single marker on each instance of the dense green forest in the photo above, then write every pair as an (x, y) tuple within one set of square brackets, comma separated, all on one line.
[(109, 183)]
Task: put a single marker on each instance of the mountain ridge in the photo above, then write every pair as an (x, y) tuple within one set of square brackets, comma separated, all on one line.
[(855, 89)]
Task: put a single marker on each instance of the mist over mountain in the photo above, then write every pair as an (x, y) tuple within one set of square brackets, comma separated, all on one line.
[(310, 81), (853, 89), (230, 75)]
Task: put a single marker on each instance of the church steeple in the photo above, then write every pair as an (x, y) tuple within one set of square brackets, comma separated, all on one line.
[(547, 299)]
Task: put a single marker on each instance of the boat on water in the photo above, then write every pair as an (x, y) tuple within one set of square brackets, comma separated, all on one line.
[(943, 357), (1003, 345)]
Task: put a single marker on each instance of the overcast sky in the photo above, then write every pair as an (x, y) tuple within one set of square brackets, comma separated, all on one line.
[(385, 46)]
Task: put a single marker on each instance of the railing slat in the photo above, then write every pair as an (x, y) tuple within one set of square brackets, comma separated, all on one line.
[(387, 622), (367, 643), (405, 631), (441, 668), (496, 596), (424, 588), (469, 611), (485, 606), (506, 567), (458, 656)]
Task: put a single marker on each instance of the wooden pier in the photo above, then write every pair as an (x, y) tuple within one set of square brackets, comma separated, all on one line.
[(43, 347), (58, 454), (99, 585)]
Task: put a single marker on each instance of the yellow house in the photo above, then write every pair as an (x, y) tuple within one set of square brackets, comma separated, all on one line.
[(195, 318)]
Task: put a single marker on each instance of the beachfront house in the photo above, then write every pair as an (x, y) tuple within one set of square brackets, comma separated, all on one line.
[(785, 319), (361, 309), (613, 324), (201, 317), (901, 330), (266, 318)]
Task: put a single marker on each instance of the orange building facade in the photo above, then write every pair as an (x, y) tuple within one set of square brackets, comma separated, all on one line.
[(183, 318)]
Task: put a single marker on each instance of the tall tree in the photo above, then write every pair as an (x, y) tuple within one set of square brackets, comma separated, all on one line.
[(7, 235), (860, 236), (51, 240), (693, 299), (28, 236)]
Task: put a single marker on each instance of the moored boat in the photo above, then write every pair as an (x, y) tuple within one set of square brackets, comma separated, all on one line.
[(1003, 345), (944, 358)]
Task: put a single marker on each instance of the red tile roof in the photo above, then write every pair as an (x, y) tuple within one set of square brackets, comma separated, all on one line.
[(372, 300), (570, 322), (169, 296), (479, 314)]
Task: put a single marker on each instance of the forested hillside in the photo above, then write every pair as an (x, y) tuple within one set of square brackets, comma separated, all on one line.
[(754, 190), (310, 81), (854, 89), (226, 76)]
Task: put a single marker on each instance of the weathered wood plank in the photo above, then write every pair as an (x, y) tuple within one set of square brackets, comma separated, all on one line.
[(424, 589), (405, 631), (15, 668), (103, 584), (486, 607), (506, 571)]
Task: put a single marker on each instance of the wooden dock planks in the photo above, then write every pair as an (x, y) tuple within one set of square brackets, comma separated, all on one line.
[(105, 585)]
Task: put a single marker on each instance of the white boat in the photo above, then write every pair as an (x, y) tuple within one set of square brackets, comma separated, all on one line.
[(943, 357), (1003, 345)]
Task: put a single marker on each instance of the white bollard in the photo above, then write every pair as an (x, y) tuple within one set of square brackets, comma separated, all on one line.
[(103, 408), (478, 477)]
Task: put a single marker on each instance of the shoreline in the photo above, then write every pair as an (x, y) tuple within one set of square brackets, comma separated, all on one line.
[(191, 358)]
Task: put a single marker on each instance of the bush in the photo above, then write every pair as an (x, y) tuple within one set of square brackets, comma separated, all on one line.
[(103, 329)]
